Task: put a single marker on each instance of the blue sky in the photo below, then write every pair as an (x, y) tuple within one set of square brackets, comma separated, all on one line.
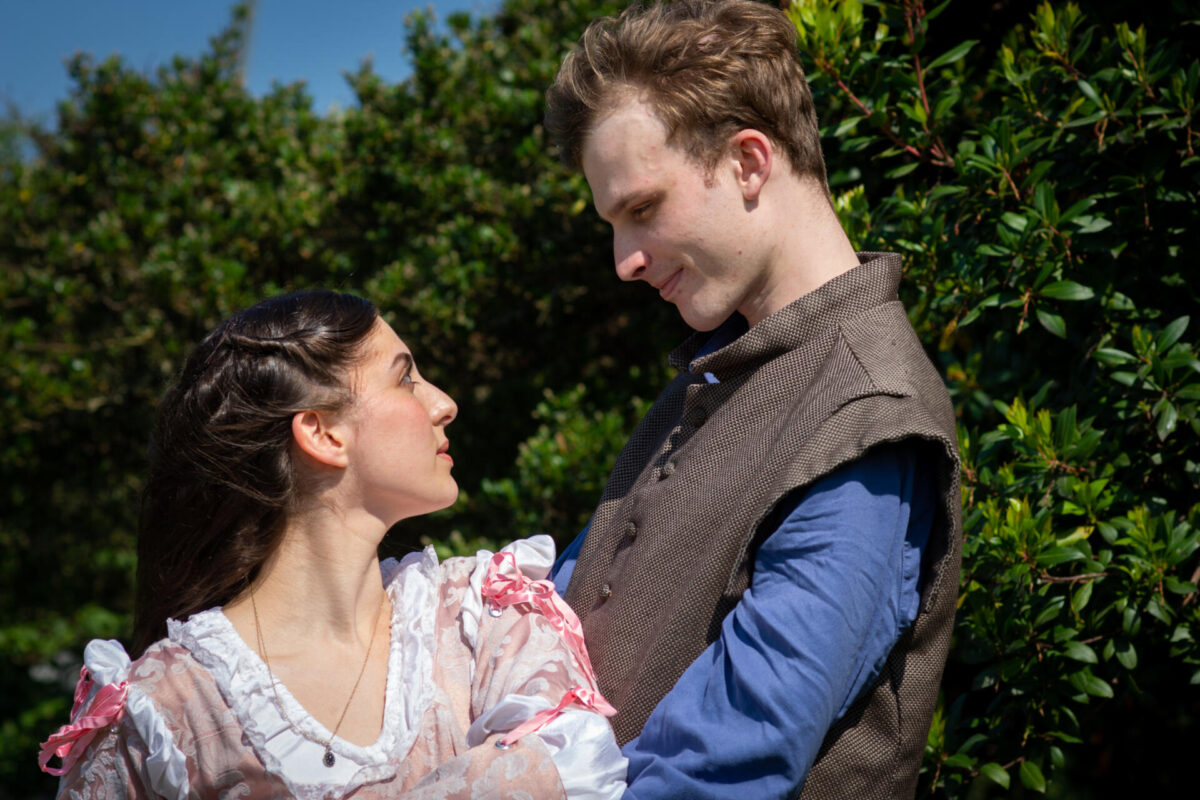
[(314, 40)]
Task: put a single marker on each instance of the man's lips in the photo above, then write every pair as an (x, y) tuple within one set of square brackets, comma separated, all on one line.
[(444, 451), (668, 286)]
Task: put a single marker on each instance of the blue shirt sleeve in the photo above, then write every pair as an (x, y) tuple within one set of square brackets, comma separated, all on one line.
[(834, 587)]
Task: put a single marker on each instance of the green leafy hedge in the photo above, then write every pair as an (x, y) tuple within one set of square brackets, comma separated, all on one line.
[(1040, 179), (1044, 198)]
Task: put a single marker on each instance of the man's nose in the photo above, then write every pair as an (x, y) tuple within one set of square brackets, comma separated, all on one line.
[(631, 260)]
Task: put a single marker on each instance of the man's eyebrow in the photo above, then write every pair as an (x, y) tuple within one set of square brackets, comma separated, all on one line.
[(624, 202)]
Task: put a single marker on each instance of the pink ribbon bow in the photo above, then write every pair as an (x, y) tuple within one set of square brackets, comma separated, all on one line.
[(70, 741), (504, 590)]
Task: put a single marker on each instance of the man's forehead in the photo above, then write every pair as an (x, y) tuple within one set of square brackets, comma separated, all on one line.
[(631, 113), (628, 140)]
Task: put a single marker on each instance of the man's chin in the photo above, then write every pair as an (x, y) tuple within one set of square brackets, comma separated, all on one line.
[(702, 322)]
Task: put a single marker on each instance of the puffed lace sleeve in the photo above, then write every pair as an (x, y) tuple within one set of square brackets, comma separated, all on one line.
[(117, 744), (533, 677)]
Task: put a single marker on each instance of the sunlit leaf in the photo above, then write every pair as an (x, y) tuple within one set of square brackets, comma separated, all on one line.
[(1031, 777)]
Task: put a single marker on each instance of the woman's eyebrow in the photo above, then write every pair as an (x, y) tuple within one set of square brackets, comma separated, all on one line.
[(402, 359)]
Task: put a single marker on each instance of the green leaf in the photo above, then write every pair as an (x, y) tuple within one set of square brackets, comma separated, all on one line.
[(846, 126), (952, 55), (946, 191), (1180, 356), (1177, 586), (1052, 610), (1059, 555), (1092, 224), (1081, 652), (1014, 221), (902, 170), (1110, 356), (1067, 290), (1052, 322), (1032, 778), (1089, 92), (1075, 210), (996, 773), (1043, 200), (1126, 654), (1082, 596), (1166, 421), (1086, 682), (1170, 334)]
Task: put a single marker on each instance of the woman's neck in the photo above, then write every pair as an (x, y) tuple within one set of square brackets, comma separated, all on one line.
[(318, 616), (322, 584)]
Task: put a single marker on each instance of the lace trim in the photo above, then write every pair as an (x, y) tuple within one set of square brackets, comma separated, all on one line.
[(244, 682)]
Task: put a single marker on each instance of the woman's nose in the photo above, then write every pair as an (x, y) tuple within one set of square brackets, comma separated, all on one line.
[(442, 408)]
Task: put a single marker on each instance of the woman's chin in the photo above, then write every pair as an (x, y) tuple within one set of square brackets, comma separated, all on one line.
[(436, 503)]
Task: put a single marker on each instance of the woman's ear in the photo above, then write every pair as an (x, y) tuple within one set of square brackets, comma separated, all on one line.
[(320, 438), (753, 156)]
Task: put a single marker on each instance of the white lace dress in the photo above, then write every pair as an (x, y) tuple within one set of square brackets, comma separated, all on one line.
[(200, 718)]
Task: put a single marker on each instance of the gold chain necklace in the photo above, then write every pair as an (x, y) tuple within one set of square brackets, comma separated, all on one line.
[(328, 759)]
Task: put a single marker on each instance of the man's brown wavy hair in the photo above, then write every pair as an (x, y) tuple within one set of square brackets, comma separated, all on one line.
[(709, 69)]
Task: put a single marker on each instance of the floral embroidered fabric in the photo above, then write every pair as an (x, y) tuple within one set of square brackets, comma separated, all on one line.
[(458, 678)]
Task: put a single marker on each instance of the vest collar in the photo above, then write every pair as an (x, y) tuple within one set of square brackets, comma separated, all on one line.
[(873, 282)]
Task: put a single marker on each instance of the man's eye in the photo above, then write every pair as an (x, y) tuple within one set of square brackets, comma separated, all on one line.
[(642, 211), (407, 380)]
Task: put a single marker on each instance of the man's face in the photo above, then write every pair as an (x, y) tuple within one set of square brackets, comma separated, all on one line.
[(675, 226)]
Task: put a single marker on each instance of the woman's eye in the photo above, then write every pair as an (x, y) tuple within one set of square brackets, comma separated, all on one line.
[(406, 380)]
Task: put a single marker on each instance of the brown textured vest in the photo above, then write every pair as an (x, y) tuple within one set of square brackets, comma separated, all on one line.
[(671, 546)]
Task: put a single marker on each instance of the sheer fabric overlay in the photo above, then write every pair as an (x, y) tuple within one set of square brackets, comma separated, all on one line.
[(458, 678)]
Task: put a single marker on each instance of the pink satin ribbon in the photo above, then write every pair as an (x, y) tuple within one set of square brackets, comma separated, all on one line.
[(504, 590), (70, 741)]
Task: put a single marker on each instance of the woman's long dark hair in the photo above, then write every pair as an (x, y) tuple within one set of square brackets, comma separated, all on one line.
[(221, 476)]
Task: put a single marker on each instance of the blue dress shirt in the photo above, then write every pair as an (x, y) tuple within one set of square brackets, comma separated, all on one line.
[(834, 586)]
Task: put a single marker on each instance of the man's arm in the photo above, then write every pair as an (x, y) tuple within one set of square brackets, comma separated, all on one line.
[(834, 587)]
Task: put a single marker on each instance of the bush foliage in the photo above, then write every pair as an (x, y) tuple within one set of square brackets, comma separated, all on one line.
[(1040, 179)]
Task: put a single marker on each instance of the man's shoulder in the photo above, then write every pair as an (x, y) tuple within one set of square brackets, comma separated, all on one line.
[(885, 345)]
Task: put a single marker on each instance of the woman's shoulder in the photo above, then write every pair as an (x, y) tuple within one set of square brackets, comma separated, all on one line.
[(453, 588), (460, 579), (170, 675), (128, 712)]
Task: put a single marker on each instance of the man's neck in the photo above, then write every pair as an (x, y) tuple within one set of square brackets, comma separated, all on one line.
[(809, 248)]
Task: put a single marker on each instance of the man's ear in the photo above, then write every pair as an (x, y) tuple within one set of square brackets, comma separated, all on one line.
[(318, 437), (753, 157)]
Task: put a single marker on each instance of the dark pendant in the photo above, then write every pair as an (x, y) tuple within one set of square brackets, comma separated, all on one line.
[(328, 760)]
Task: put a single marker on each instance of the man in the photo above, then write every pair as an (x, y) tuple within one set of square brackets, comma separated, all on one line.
[(768, 585)]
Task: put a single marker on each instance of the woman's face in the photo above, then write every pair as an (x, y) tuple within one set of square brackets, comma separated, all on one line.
[(398, 420)]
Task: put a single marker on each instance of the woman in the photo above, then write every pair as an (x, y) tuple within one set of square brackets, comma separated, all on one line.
[(272, 660)]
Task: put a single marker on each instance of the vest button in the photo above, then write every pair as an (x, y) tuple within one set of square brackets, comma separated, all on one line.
[(668, 469), (631, 531), (699, 416), (605, 591)]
